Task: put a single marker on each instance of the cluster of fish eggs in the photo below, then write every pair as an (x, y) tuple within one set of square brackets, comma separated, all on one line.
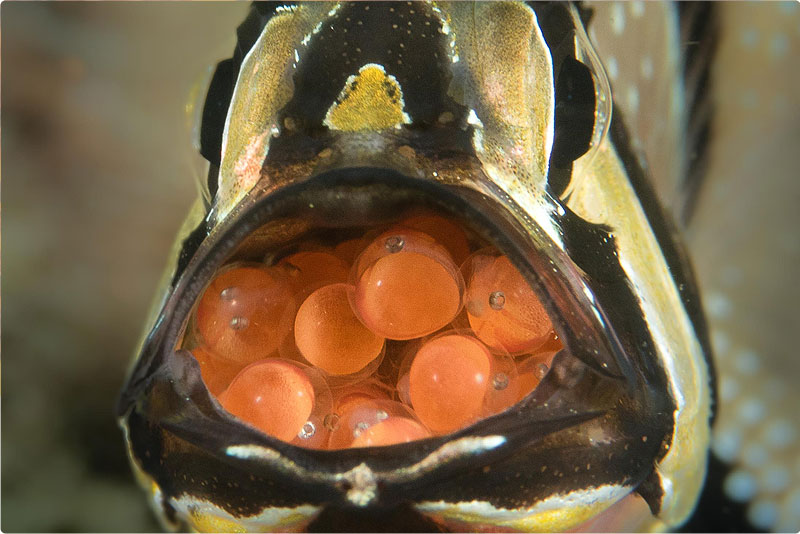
[(407, 332)]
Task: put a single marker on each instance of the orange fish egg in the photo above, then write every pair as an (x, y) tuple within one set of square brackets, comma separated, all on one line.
[(329, 335), (275, 396), (531, 371), (245, 313), (447, 233), (360, 412), (501, 307), (349, 250), (406, 286), (448, 380), (392, 430), (311, 270), (216, 372)]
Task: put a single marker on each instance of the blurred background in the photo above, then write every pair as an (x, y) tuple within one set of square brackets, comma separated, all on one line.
[(97, 177), (98, 173)]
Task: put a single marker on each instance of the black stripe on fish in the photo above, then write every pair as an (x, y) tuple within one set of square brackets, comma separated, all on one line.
[(699, 37), (667, 236)]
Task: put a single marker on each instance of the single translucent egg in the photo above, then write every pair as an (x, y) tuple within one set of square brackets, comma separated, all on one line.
[(329, 335), (448, 380), (245, 312), (501, 307), (406, 285), (275, 396)]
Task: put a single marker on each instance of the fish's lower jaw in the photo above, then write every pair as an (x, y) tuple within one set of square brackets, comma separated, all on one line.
[(606, 508)]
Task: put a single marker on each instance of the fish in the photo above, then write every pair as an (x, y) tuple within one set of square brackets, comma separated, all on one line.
[(742, 116), (511, 118)]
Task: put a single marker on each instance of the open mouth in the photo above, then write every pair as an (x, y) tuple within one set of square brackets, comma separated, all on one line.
[(363, 340), (332, 332)]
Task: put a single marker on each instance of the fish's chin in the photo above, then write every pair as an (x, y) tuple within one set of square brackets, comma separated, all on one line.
[(629, 514)]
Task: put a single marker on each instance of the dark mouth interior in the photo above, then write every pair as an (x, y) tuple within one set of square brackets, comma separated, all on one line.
[(342, 334)]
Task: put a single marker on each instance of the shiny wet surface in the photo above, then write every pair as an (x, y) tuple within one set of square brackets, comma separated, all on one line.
[(64, 255)]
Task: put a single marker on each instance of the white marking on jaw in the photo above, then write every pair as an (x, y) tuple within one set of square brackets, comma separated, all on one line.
[(247, 452), (363, 485), (362, 478), (447, 452)]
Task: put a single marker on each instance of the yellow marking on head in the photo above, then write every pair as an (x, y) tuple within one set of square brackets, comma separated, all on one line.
[(209, 522), (370, 100)]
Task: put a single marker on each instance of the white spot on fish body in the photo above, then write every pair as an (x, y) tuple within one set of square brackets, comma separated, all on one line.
[(632, 97), (774, 479), (617, 18), (748, 38), (613, 68), (748, 362), (646, 68), (718, 305), (720, 341), (780, 433), (726, 444), (740, 486), (754, 455), (762, 514), (728, 388), (751, 411), (637, 8)]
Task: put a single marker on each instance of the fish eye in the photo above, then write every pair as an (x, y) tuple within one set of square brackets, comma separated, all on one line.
[(582, 94)]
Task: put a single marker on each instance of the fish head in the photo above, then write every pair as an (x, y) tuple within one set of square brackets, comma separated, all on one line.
[(345, 116)]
